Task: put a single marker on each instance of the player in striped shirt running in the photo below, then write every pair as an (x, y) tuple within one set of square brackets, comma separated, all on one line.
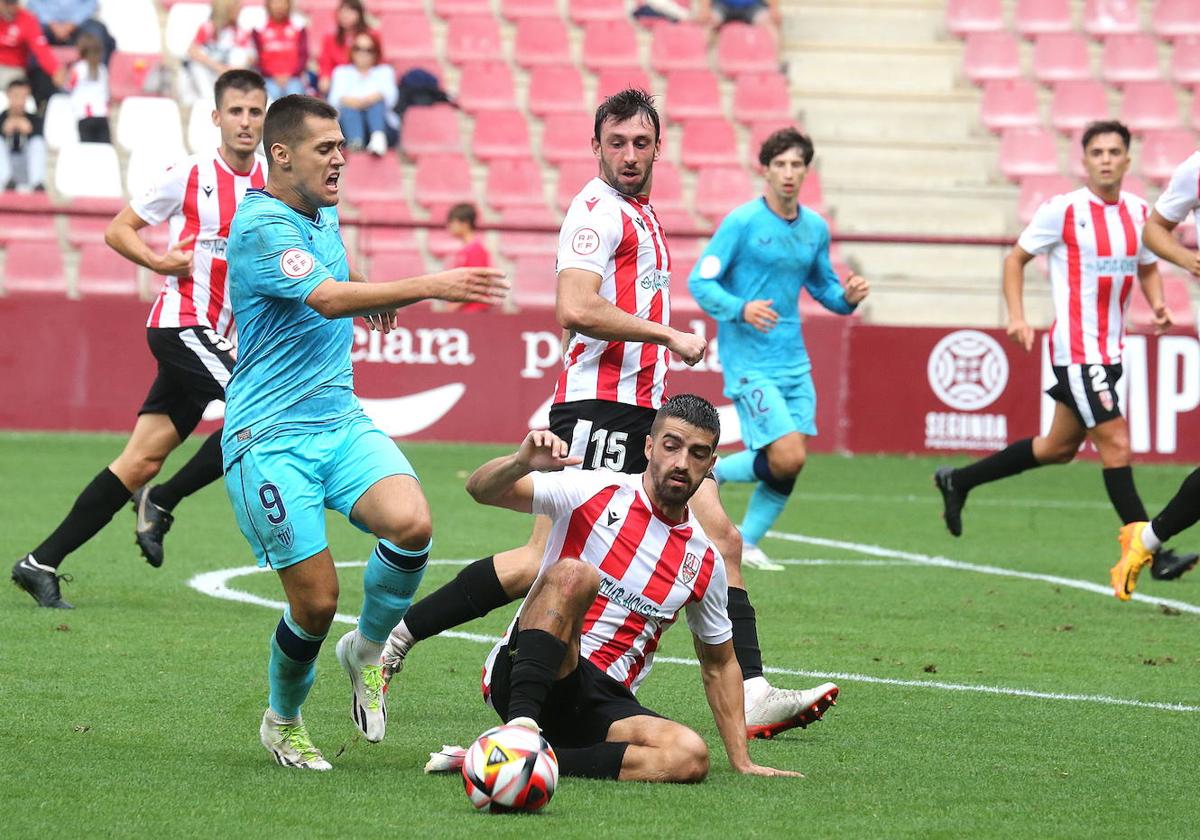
[(1093, 237), (188, 332)]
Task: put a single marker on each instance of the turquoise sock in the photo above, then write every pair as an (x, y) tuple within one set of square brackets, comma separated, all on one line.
[(764, 508), (293, 666), (737, 467), (392, 577)]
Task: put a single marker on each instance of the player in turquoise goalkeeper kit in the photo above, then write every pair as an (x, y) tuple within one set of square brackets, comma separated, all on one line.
[(749, 280)]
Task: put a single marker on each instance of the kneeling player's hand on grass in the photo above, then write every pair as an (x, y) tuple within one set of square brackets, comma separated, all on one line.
[(857, 289), (544, 451), (760, 315), (687, 346), (759, 770), (1162, 319), (473, 285), (179, 258), (1021, 333)]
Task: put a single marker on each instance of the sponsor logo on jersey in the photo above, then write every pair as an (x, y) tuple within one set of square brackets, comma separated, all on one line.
[(585, 241), (1112, 266), (656, 280), (591, 203)]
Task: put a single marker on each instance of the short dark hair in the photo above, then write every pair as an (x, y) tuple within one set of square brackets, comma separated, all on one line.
[(782, 140), (285, 119), (243, 80), (1099, 127), (691, 409), (20, 81), (625, 104), (464, 212)]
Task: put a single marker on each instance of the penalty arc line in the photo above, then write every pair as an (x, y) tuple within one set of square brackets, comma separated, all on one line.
[(216, 585)]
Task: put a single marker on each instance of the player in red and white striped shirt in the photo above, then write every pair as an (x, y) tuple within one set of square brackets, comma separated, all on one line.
[(188, 333), (624, 557), (1093, 237)]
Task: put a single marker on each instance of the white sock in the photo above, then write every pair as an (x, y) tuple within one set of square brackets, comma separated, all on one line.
[(364, 650), (1150, 539)]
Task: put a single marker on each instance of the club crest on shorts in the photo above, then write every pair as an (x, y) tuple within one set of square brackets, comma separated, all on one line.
[(1106, 399), (285, 535), (690, 567)]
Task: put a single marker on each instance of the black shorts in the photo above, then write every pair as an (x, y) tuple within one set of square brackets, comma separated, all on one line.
[(580, 707), (738, 14), (1090, 391), (194, 364), (606, 434)]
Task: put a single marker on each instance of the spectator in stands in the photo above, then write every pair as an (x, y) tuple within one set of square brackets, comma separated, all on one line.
[(282, 47), (351, 19), (220, 45), (364, 93), (715, 13), (64, 21), (23, 50), (88, 86), (460, 223), (22, 147)]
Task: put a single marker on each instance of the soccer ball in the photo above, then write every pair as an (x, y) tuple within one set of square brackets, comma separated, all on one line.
[(510, 768)]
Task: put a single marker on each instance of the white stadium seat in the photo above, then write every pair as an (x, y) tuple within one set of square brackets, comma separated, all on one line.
[(202, 135), (88, 170), (133, 24), (61, 126), (182, 22), (146, 163), (145, 120)]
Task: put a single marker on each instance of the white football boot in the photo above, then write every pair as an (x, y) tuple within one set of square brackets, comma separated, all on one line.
[(288, 741), (368, 705), (771, 710), (449, 759), (755, 558)]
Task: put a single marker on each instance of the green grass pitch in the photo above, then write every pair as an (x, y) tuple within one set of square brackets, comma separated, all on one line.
[(136, 714)]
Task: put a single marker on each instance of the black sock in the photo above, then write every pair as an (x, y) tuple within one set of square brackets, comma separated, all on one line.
[(745, 633), (599, 761), (537, 658), (1182, 512), (1118, 481), (201, 470), (93, 509), (1016, 458), (473, 593)]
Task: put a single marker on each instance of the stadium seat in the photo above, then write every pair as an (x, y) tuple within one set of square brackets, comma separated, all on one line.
[(1129, 58), (252, 16), (127, 73), (33, 267), (16, 226), (395, 265), (520, 9), (967, 16), (133, 24), (518, 243), (147, 162), (719, 189), (760, 131), (679, 46), (812, 192), (709, 141), (612, 80), (759, 97), (441, 244), (991, 55), (1162, 151), (1194, 114), (1150, 106), (367, 177), (442, 180), (65, 56), (486, 86), (556, 89), (1111, 17), (450, 8), (1027, 151), (747, 49), (535, 280), (202, 135), (60, 126), (572, 175), (88, 170), (582, 11), (1040, 17), (473, 38), (693, 93), (102, 271), (1077, 103), (374, 240), (431, 130), (1035, 189), (610, 43), (1175, 18), (1140, 317), (148, 120), (183, 20), (567, 137), (407, 40), (1009, 103), (542, 41), (501, 134), (1185, 61), (1134, 184), (514, 182), (668, 187), (1061, 58)]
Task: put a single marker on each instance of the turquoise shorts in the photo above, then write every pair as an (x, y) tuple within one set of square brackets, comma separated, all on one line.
[(768, 409), (281, 487)]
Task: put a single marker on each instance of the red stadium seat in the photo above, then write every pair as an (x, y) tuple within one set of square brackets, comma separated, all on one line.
[(1185, 61), (407, 40), (486, 86), (450, 8), (127, 73), (368, 178), (556, 89), (1036, 189), (1134, 184), (102, 271), (610, 43), (1162, 151), (1077, 103), (583, 11), (1129, 58), (27, 227), (1140, 317), (812, 194), (571, 178), (473, 38), (759, 97), (693, 93), (85, 230), (519, 9), (1176, 18), (991, 55), (515, 244), (431, 130), (33, 267), (612, 80), (535, 280), (720, 189), (395, 265), (568, 137), (542, 41), (501, 134), (760, 131), (442, 180), (375, 240), (1061, 58), (747, 49), (1040, 17), (1111, 17), (1150, 106), (967, 16), (1194, 113), (679, 46), (667, 189), (1027, 151), (1010, 103), (709, 141)]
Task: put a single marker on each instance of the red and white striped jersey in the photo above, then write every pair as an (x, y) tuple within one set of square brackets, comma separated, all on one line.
[(1182, 194), (620, 239), (1095, 249), (199, 195), (650, 568)]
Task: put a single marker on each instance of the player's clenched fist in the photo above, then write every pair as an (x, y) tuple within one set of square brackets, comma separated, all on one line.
[(857, 289), (687, 346), (543, 451), (472, 285), (760, 315)]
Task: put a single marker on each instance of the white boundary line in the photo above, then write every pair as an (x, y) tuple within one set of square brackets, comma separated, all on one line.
[(216, 585), (933, 499)]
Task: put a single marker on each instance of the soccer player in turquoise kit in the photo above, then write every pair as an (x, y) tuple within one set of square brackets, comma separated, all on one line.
[(296, 440), (749, 282)]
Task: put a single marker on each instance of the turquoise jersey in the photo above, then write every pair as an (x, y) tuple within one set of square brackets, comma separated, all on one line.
[(758, 255), (293, 368)]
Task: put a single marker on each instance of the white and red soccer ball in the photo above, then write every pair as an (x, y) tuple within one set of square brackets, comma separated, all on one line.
[(510, 768)]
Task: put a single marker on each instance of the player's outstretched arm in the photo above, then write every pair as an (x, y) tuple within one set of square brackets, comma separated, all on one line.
[(1158, 237), (1014, 286), (348, 300), (122, 236), (1152, 288), (505, 482), (726, 697)]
